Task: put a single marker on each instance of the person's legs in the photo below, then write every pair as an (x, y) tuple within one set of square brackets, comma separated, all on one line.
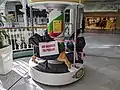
[(113, 31), (83, 30)]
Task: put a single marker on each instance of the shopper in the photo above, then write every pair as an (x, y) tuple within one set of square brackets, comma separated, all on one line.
[(103, 23), (83, 25), (98, 23), (88, 23), (108, 23), (113, 26)]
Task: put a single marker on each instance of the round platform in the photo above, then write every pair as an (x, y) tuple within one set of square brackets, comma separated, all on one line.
[(56, 79), (55, 4)]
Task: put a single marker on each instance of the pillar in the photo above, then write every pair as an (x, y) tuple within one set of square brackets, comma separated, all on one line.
[(3, 10), (24, 2), (71, 21), (81, 16)]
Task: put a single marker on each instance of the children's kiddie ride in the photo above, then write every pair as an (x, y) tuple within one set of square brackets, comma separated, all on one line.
[(58, 60)]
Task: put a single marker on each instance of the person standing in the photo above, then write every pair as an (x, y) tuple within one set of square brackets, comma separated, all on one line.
[(108, 23), (113, 26), (103, 23), (83, 25)]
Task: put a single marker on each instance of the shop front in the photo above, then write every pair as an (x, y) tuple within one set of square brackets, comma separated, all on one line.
[(104, 21), (102, 17)]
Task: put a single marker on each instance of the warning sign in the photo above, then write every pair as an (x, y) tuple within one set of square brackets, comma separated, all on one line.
[(48, 48), (57, 26)]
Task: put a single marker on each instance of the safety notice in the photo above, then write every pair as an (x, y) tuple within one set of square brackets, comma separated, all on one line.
[(48, 48)]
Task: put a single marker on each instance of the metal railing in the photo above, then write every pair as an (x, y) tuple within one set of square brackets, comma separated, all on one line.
[(19, 36), (36, 22)]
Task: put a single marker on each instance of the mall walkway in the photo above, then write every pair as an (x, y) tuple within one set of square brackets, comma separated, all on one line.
[(102, 66), (106, 45)]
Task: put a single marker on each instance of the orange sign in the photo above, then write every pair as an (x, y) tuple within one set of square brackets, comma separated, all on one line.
[(54, 0)]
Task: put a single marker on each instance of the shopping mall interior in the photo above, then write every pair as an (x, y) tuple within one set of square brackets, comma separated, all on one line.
[(59, 45)]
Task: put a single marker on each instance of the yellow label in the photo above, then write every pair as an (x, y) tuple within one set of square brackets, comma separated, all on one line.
[(57, 26), (54, 0)]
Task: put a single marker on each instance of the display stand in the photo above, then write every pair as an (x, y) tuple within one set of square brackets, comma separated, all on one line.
[(57, 71)]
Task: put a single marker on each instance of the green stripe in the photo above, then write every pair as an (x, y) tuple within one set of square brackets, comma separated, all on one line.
[(50, 26)]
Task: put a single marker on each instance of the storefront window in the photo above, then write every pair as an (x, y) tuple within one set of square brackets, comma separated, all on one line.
[(100, 22)]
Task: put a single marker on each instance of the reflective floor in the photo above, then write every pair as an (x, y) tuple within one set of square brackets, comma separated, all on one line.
[(102, 67)]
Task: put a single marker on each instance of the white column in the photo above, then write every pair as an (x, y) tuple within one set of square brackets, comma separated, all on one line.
[(2, 8), (81, 15), (24, 2), (71, 21)]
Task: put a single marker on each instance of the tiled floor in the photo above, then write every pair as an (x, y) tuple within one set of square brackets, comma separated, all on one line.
[(107, 45), (101, 74), (102, 67)]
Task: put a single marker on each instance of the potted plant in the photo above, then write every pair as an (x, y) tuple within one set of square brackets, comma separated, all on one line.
[(6, 58)]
